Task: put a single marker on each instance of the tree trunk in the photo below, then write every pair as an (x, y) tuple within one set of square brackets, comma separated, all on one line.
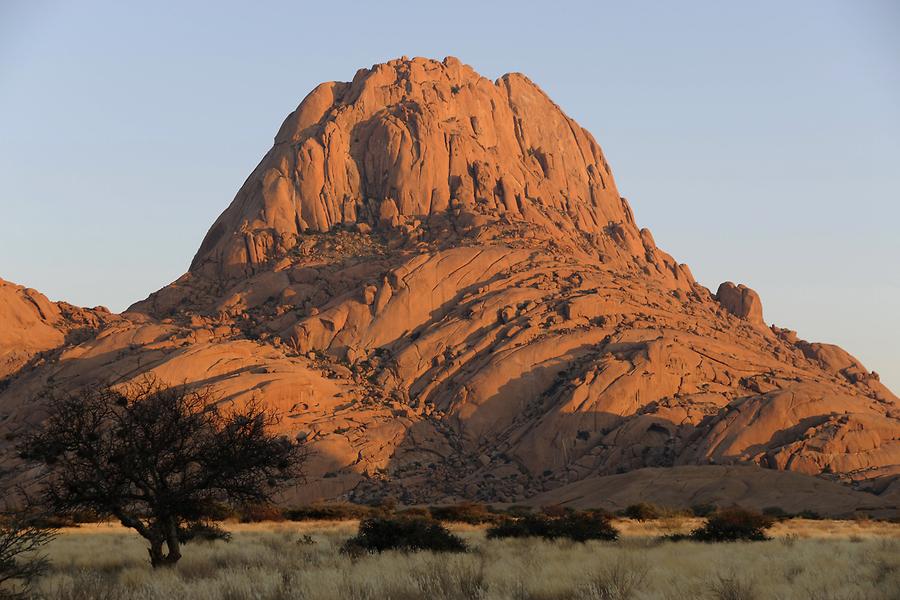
[(169, 537), (157, 558), (172, 542)]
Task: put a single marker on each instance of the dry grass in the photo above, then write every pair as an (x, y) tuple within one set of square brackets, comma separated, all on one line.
[(793, 528), (815, 560)]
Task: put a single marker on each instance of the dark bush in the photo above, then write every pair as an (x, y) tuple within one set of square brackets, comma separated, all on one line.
[(583, 526), (338, 511), (464, 512), (256, 513), (703, 510), (221, 511), (576, 526), (53, 521), (776, 512), (643, 511), (555, 510), (732, 525), (415, 511), (809, 514), (87, 516), (203, 532), (380, 534), (518, 510), (386, 505), (527, 526)]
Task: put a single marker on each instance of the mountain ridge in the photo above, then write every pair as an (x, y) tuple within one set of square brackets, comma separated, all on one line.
[(434, 278)]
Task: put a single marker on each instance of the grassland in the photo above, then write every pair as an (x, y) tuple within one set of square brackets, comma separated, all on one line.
[(814, 560)]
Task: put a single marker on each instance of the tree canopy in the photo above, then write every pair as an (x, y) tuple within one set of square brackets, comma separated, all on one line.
[(159, 459)]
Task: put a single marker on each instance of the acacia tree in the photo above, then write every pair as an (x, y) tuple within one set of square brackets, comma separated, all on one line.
[(159, 459)]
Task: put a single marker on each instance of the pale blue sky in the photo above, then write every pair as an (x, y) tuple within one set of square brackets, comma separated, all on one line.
[(760, 142)]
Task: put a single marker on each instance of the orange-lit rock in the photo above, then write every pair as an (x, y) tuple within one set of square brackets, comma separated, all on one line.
[(434, 278)]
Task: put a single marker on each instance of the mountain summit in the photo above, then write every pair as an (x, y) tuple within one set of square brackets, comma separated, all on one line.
[(434, 277), (411, 140)]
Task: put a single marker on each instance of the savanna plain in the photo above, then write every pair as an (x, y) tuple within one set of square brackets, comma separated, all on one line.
[(807, 559)]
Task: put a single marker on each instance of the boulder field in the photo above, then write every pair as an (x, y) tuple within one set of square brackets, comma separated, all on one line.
[(433, 277)]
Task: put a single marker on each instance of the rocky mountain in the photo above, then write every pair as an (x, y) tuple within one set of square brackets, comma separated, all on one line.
[(436, 280), (33, 326)]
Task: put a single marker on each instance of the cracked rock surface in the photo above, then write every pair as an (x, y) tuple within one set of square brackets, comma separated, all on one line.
[(435, 279)]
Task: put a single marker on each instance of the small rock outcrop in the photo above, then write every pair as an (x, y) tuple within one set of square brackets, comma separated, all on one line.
[(30, 325), (741, 301)]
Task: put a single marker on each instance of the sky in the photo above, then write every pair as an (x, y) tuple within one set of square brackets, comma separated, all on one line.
[(760, 142)]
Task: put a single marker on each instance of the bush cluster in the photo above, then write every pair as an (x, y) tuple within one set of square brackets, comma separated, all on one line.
[(464, 512), (343, 511), (643, 511), (576, 526), (255, 513), (703, 510), (378, 534), (731, 525)]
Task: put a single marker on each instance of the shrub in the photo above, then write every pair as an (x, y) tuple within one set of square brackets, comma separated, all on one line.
[(555, 510), (809, 514), (776, 513), (256, 513), (415, 511), (379, 534), (203, 532), (221, 511), (732, 525), (579, 527), (21, 560), (703, 510), (583, 526), (527, 526), (464, 512), (53, 521), (518, 510), (643, 511), (338, 511), (386, 505)]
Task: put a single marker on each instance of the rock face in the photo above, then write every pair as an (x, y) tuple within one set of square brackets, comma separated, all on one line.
[(434, 277), (409, 140), (30, 325), (741, 301)]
